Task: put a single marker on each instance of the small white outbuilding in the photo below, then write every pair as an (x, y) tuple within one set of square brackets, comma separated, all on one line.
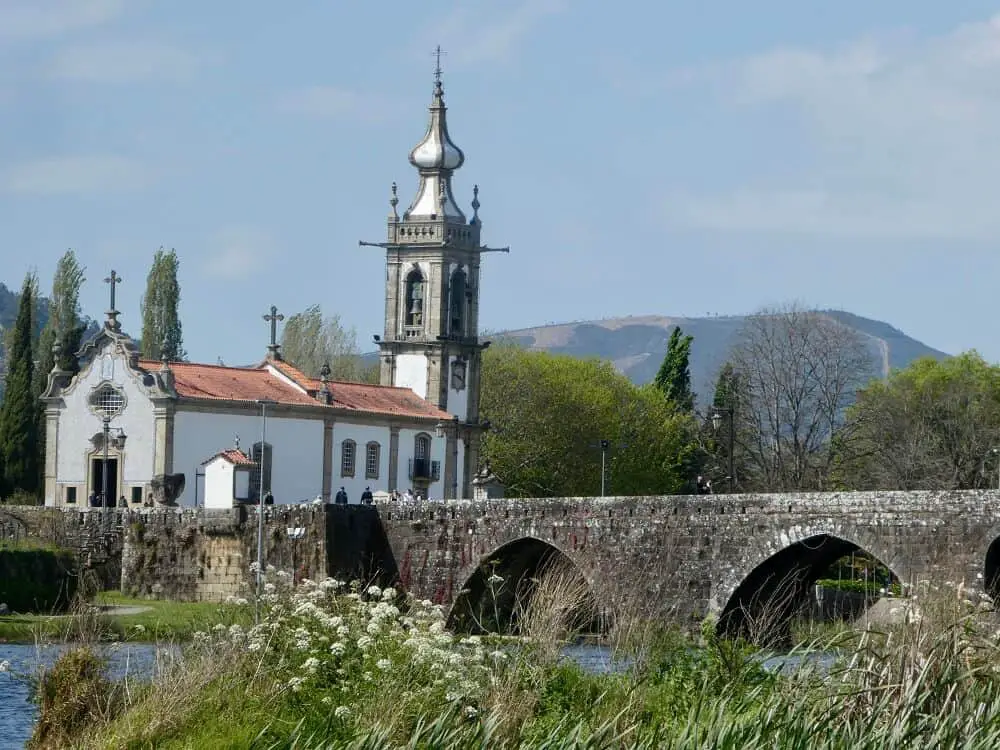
[(227, 478)]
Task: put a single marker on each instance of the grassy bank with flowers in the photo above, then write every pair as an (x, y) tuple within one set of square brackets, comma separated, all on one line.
[(335, 666), (115, 617)]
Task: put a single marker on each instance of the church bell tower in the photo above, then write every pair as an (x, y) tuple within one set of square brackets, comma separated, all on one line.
[(432, 256)]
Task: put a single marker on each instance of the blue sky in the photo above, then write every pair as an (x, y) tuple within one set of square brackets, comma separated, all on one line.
[(676, 158)]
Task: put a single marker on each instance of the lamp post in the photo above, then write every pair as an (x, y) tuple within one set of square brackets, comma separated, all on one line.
[(104, 466), (263, 403), (996, 452), (605, 445), (730, 413)]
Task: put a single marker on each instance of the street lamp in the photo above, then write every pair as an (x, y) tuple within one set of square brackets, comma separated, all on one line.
[(263, 403), (730, 413)]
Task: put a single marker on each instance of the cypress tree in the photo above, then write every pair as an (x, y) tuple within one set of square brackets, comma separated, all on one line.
[(161, 325), (19, 411), (673, 379)]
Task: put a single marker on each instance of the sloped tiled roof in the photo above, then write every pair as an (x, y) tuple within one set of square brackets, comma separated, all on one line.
[(233, 456), (219, 382)]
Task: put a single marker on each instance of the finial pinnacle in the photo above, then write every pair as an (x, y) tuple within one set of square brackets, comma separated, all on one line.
[(237, 442), (475, 203), (394, 201)]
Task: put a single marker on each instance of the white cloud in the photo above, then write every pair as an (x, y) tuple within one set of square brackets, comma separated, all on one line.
[(79, 175), (333, 103), (237, 253), (903, 131), (40, 19), (478, 32), (123, 61)]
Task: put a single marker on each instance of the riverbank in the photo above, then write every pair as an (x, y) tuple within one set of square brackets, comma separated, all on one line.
[(332, 667), (110, 616)]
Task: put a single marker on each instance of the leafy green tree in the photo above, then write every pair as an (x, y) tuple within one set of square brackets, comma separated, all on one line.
[(161, 325), (19, 411), (549, 414), (931, 425), (310, 340), (673, 379), (64, 322)]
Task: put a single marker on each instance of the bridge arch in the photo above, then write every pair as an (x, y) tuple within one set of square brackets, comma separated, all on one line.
[(774, 581), (991, 570), (499, 589)]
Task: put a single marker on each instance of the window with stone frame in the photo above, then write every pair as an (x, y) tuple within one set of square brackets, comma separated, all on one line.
[(107, 400), (372, 455), (457, 303), (348, 454), (414, 299), (261, 453)]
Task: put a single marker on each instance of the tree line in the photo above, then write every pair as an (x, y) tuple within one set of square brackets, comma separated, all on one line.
[(33, 351), (799, 404)]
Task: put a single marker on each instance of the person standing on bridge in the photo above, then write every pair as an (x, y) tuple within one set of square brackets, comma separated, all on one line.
[(341, 497)]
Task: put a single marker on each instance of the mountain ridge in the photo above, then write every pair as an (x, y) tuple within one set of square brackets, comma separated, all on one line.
[(635, 344)]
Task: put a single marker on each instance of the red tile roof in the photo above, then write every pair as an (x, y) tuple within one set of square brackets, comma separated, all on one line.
[(218, 382), (233, 456)]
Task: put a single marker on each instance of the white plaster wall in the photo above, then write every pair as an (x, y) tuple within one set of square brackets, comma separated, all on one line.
[(219, 484), (361, 435), (297, 444), (411, 372), (458, 401), (78, 423), (242, 484), (406, 451)]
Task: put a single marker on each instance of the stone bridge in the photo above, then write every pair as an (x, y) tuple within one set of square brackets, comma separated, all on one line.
[(747, 558)]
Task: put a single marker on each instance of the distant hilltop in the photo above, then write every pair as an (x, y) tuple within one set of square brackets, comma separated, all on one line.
[(636, 344)]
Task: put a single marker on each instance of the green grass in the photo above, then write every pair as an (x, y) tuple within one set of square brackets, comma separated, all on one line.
[(159, 621)]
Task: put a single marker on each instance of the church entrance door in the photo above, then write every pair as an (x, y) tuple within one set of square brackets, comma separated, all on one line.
[(97, 467)]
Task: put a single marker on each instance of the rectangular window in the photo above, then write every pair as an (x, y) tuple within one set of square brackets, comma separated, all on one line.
[(347, 449), (372, 461), (70, 495), (137, 495)]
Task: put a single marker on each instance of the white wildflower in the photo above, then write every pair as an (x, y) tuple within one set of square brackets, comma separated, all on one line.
[(374, 591), (388, 594), (311, 665), (365, 642), (342, 712), (471, 712), (384, 664), (295, 684), (337, 648)]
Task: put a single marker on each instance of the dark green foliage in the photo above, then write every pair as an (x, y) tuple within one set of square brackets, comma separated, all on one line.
[(37, 580), (19, 412), (674, 377), (161, 324)]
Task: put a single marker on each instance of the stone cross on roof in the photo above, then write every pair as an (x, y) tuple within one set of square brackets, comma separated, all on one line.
[(273, 317), (113, 280)]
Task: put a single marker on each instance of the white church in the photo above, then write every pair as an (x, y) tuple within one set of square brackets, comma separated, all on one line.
[(124, 428)]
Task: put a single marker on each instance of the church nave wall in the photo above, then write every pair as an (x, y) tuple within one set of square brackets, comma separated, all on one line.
[(353, 474), (296, 445)]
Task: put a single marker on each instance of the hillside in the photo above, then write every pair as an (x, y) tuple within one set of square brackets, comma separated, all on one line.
[(636, 344)]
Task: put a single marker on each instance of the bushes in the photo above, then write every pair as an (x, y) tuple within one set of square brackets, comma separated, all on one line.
[(37, 580)]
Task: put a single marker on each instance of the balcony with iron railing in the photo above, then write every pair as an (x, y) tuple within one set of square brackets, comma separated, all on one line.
[(425, 469)]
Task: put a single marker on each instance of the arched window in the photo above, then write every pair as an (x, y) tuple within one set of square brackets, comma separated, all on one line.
[(348, 452), (458, 303), (261, 454), (372, 455), (414, 298)]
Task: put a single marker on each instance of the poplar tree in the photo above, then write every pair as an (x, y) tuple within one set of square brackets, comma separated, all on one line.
[(161, 325), (19, 411), (673, 379), (64, 323)]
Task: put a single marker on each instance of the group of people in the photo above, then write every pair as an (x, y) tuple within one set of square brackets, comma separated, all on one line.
[(367, 498)]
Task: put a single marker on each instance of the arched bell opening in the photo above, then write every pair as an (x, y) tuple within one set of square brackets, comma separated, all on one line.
[(522, 588), (822, 578)]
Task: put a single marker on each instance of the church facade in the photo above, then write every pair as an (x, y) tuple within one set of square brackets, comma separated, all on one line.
[(125, 430)]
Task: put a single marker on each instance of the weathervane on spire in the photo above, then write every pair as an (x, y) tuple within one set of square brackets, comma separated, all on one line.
[(437, 64), (114, 279)]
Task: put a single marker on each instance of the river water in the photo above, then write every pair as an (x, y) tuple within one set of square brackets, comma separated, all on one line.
[(140, 660), (17, 711)]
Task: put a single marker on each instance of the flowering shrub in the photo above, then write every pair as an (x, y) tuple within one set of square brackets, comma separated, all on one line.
[(343, 650)]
